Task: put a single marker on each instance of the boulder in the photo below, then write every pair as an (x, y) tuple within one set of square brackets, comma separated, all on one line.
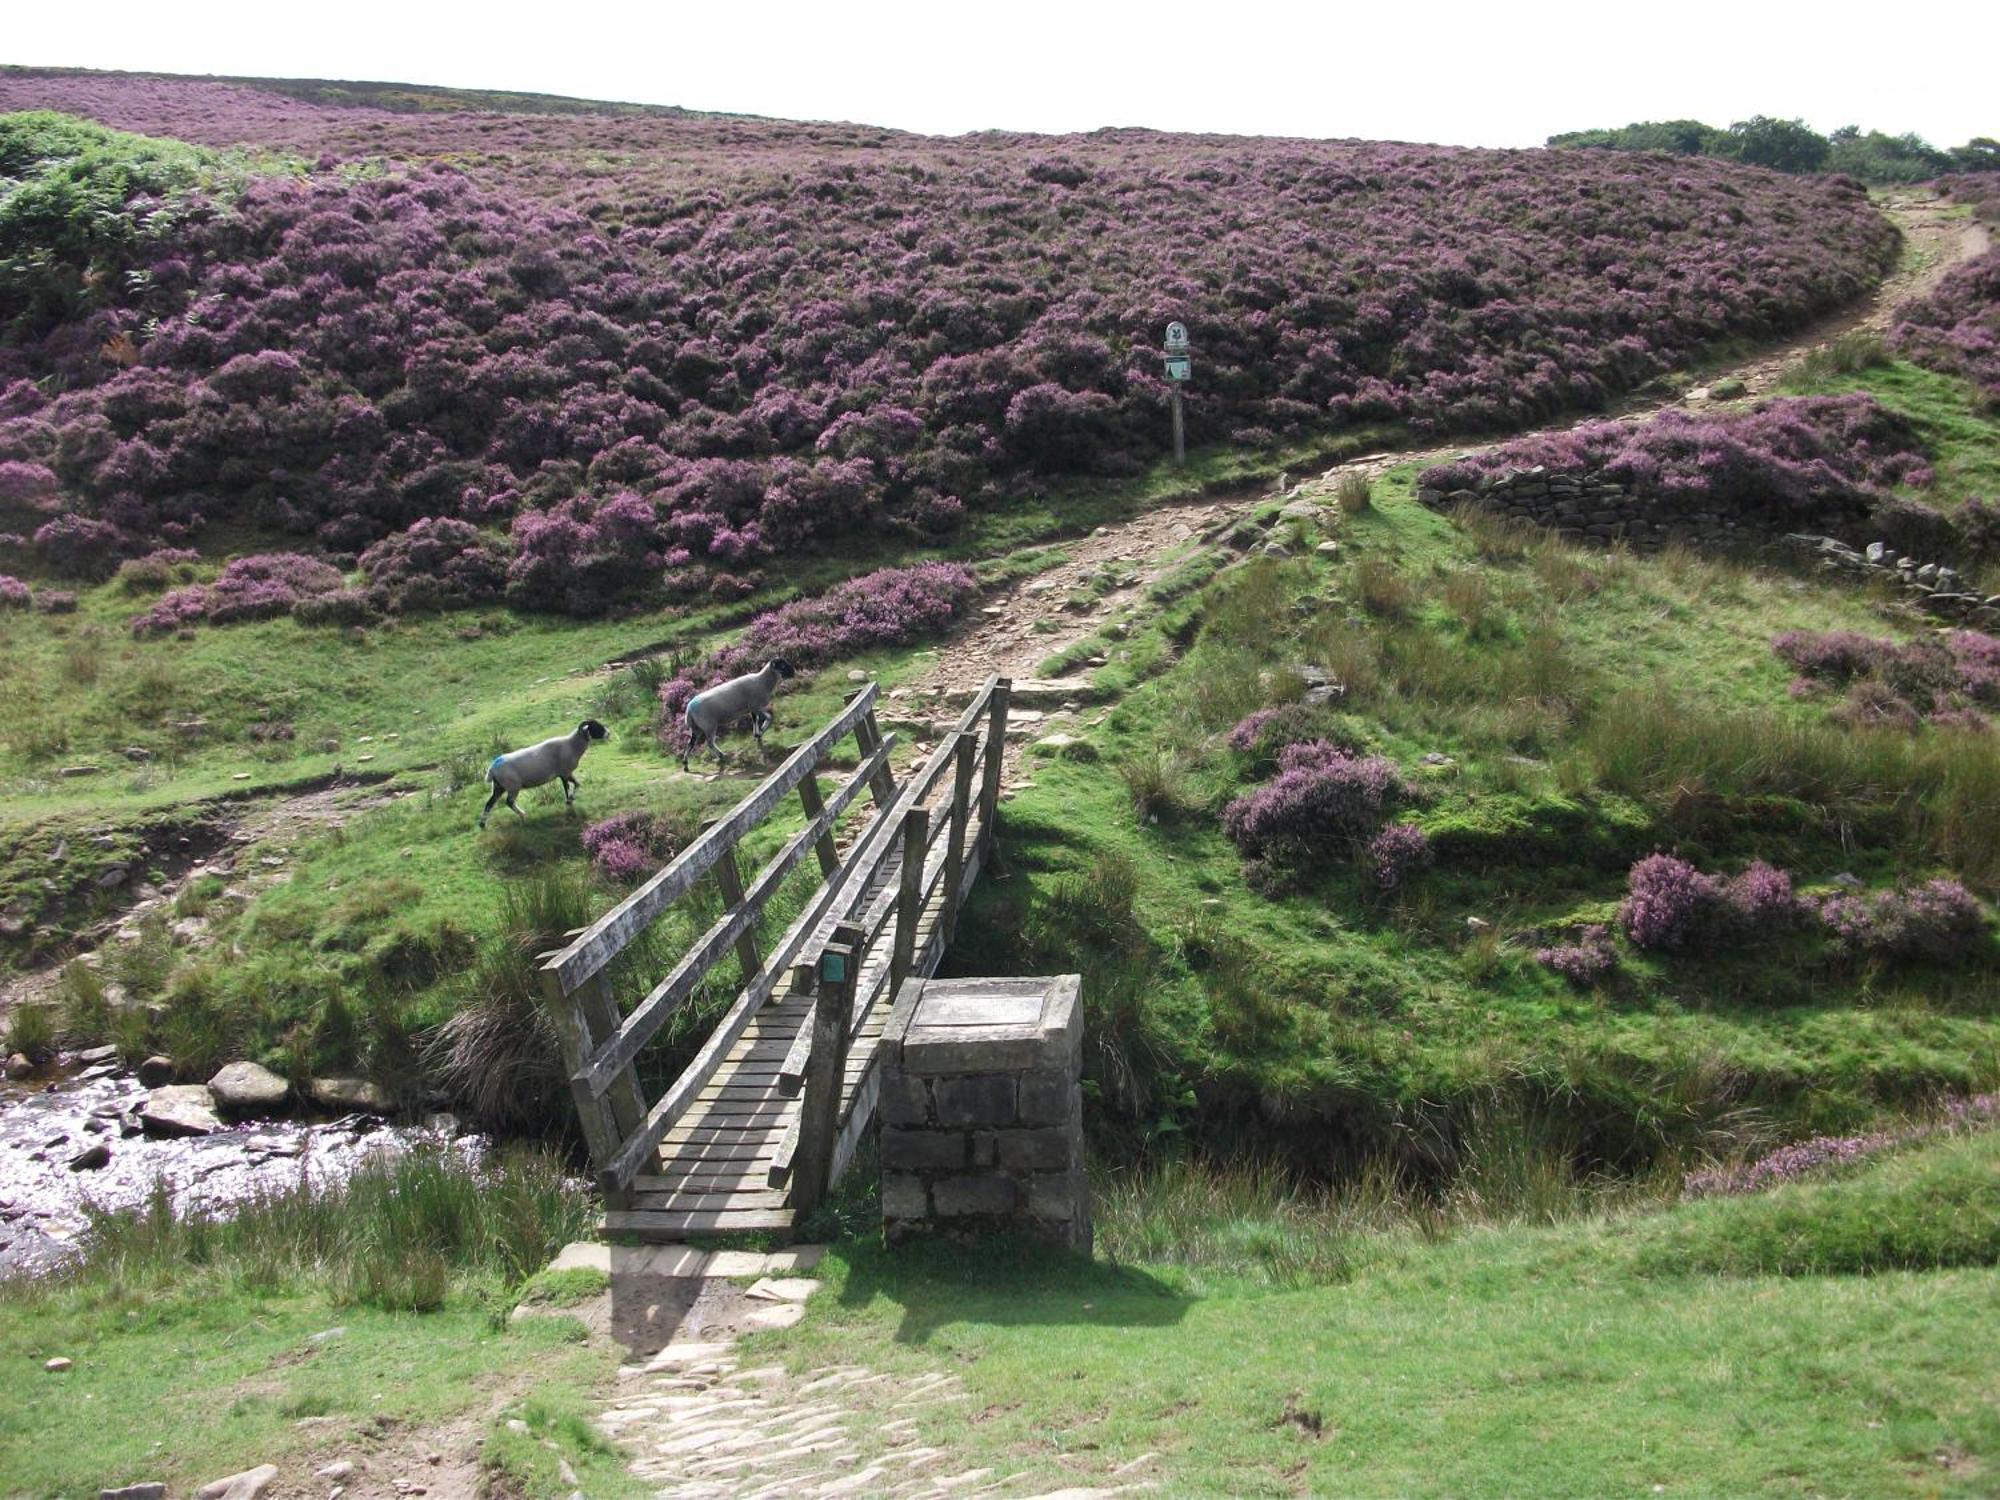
[(180, 1109), (246, 1088), (154, 1490), (357, 1094), (90, 1057), (90, 1158), (245, 1486), (20, 1065), (156, 1071)]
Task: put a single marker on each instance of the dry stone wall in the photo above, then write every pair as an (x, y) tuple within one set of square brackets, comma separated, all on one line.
[(1935, 587), (1593, 509)]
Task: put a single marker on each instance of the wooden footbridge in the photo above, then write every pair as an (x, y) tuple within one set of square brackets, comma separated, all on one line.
[(753, 1130)]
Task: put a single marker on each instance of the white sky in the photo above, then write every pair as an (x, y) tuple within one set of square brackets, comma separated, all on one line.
[(1495, 73)]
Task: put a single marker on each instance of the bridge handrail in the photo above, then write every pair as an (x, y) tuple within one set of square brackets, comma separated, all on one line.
[(651, 1013), (600, 942)]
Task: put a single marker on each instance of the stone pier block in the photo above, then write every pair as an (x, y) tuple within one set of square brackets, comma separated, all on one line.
[(982, 1113)]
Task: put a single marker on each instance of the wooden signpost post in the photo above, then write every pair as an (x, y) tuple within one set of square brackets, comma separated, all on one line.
[(1179, 367)]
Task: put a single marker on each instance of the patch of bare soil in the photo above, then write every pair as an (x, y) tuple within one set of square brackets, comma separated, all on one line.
[(248, 844)]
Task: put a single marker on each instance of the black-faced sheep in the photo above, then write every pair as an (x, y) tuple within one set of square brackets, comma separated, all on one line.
[(714, 709), (517, 770)]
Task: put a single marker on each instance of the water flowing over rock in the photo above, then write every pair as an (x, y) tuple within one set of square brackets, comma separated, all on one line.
[(180, 1109)]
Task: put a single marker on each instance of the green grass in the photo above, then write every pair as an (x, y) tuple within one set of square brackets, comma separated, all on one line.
[(1504, 1361), (1919, 1210)]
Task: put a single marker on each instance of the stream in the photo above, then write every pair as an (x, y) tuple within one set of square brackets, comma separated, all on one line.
[(76, 1111)]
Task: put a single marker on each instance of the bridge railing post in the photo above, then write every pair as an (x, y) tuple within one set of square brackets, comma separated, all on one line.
[(826, 1069), (910, 898), (954, 849), (996, 753), (608, 1119)]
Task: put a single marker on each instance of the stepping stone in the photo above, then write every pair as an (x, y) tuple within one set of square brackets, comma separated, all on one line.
[(727, 1263), (777, 1315), (784, 1289), (675, 1356), (668, 1260), (583, 1255)]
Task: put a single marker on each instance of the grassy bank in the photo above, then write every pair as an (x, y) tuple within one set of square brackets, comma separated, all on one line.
[(1633, 1353), (1556, 715), (365, 1322)]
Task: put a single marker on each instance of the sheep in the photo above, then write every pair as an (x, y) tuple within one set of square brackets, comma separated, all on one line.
[(551, 760), (714, 709)]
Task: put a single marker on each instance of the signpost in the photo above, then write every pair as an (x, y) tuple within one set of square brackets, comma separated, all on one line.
[(1180, 366)]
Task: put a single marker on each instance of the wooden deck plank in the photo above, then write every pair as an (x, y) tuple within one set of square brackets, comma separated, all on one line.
[(649, 1224)]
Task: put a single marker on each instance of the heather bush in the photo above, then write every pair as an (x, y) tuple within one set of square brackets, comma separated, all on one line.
[(1787, 456), (81, 546), (1669, 903), (889, 607), (158, 569), (582, 556), (1262, 735), (1897, 685), (1322, 802), (1956, 327), (438, 563), (26, 489), (336, 607), (55, 602), (1761, 900), (14, 594), (1939, 920), (1810, 1157), (250, 588), (631, 845), (1583, 963), (1978, 528), (1396, 853)]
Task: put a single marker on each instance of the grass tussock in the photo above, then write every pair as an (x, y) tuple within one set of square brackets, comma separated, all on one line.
[(1849, 354), (1256, 1219), (1937, 793), (497, 1055)]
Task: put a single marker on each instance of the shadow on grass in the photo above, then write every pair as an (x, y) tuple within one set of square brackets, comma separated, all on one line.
[(1005, 1283)]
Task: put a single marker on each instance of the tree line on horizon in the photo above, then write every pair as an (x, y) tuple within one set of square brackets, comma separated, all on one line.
[(1793, 146)]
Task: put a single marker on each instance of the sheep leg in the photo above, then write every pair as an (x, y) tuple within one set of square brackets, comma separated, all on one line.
[(516, 807), (569, 791), (489, 806)]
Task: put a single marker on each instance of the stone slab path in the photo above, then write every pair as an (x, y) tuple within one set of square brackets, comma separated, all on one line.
[(698, 1420)]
